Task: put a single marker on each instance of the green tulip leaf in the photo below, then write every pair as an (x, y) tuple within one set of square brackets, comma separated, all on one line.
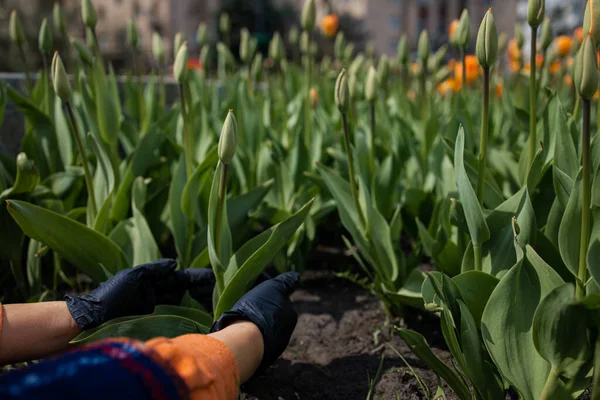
[(249, 261), (569, 237), (85, 248), (478, 228), (507, 323), (418, 345)]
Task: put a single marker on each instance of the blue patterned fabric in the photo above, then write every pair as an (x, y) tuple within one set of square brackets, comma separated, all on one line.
[(105, 370)]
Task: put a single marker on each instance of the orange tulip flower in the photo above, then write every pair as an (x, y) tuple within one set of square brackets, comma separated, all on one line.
[(563, 45), (473, 69), (513, 50), (411, 95), (568, 80), (539, 60), (499, 90), (578, 33), (194, 63), (452, 28), (447, 86), (515, 65), (555, 67), (451, 64), (314, 96), (330, 24)]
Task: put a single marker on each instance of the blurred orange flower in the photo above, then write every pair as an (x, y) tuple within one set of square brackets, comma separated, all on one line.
[(527, 67), (452, 28), (451, 64), (563, 45), (555, 67), (499, 90), (330, 24), (473, 69), (513, 50), (568, 80), (578, 33), (596, 95), (570, 62), (411, 94), (539, 60), (314, 96), (447, 86), (515, 65), (194, 63)]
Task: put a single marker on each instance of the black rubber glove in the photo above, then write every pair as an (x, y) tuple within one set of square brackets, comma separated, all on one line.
[(200, 282), (136, 291), (267, 306)]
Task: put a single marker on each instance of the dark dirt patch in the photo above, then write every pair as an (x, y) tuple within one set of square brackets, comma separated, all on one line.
[(336, 349)]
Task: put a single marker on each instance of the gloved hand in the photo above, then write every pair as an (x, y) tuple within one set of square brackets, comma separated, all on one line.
[(267, 306), (136, 291)]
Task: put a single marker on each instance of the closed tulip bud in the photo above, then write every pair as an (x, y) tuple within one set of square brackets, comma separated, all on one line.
[(201, 34), (519, 37), (90, 39), (276, 47), (462, 35), (88, 14), (437, 58), (45, 38), (257, 67), (546, 37), (338, 48), (58, 18), (309, 15), (158, 48), (356, 64), (82, 52), (177, 42), (244, 45), (502, 42), (591, 20), (486, 47), (293, 36), (204, 55), (16, 29), (224, 24), (228, 139), (60, 79), (371, 85), (370, 49), (342, 94), (314, 49), (403, 55), (424, 48), (383, 69), (132, 34), (352, 86), (305, 42), (586, 69), (180, 65), (535, 12), (348, 51), (224, 52)]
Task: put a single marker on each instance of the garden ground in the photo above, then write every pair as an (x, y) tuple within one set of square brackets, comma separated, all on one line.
[(338, 344)]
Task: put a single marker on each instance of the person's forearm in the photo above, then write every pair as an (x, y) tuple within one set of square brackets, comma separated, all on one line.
[(246, 343), (33, 331)]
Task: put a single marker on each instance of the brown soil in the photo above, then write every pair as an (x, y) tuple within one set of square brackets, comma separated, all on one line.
[(338, 344)]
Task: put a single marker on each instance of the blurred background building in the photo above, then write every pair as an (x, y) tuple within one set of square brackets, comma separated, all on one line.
[(380, 21)]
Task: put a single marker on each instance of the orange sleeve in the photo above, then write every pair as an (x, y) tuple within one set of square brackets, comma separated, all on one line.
[(206, 365)]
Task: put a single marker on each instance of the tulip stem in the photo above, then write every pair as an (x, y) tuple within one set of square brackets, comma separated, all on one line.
[(219, 220), (463, 54), (532, 97), (550, 386), (47, 84), (307, 104), (586, 199), (351, 173), (187, 145), (26, 69), (484, 134), (478, 258), (596, 380), (86, 169), (141, 105), (372, 139)]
